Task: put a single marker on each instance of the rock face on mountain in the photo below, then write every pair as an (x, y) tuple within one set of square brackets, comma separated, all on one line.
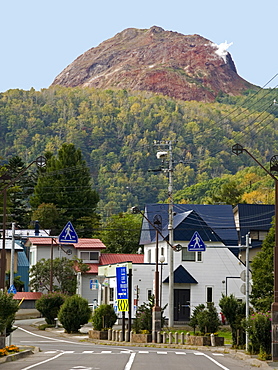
[(184, 67)]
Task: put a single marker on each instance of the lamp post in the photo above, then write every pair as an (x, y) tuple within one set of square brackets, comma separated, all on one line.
[(40, 162), (238, 149), (156, 224)]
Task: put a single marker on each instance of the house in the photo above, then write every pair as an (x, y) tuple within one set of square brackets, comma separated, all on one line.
[(199, 277), (86, 249), (255, 220)]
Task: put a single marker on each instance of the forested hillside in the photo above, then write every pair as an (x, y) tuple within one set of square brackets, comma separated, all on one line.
[(115, 131)]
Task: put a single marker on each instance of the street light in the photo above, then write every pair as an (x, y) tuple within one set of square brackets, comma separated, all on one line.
[(156, 224), (238, 149), (40, 162)]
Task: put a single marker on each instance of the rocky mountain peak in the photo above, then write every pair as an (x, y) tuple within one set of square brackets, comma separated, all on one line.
[(185, 67)]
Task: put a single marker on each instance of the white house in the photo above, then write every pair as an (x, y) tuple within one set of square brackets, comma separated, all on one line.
[(199, 277)]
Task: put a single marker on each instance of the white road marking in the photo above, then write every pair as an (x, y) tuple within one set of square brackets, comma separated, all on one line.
[(217, 354), (47, 352), (211, 359), (51, 339), (106, 351), (43, 362), (88, 352), (130, 361), (161, 353), (143, 352), (180, 353)]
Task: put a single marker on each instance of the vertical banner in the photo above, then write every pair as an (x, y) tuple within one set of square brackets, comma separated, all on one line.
[(122, 288)]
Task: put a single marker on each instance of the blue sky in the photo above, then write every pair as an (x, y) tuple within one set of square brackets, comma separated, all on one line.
[(40, 38)]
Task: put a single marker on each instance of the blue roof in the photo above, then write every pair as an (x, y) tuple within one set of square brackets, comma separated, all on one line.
[(254, 217), (182, 276), (213, 222)]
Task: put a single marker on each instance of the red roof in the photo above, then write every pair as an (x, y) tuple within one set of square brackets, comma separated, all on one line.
[(110, 258), (27, 295), (93, 268), (82, 243)]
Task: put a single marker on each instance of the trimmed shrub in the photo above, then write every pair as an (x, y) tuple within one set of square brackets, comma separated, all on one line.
[(259, 330), (49, 305), (74, 313), (104, 317), (205, 318)]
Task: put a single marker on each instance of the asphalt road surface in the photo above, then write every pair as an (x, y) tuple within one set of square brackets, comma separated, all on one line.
[(75, 353)]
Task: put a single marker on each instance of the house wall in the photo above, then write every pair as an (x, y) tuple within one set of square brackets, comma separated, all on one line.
[(44, 251)]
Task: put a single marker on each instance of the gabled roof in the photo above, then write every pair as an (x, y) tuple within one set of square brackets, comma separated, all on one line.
[(213, 222), (111, 258), (182, 276), (83, 243)]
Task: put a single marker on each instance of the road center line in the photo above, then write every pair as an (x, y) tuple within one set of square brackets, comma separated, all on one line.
[(130, 361), (43, 362)]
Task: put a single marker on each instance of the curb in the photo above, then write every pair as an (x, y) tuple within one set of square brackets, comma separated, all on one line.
[(16, 356)]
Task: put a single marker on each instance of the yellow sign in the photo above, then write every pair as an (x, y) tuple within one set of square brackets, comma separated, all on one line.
[(122, 304)]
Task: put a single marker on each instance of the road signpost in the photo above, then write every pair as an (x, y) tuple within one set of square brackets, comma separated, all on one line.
[(68, 234), (196, 243)]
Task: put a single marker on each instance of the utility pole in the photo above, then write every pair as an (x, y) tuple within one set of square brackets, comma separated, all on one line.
[(238, 149), (169, 153), (247, 286)]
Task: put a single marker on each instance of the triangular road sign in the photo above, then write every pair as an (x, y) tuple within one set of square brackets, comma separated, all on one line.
[(68, 235), (12, 289), (196, 243)]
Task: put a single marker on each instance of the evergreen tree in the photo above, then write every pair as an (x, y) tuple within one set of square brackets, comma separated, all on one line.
[(262, 275), (66, 183)]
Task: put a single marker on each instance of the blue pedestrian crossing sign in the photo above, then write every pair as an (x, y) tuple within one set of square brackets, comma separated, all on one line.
[(196, 243), (12, 289), (68, 235)]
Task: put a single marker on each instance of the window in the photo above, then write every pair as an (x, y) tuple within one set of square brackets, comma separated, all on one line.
[(187, 256), (111, 294), (191, 256), (209, 294), (258, 234), (149, 294), (162, 251), (89, 256)]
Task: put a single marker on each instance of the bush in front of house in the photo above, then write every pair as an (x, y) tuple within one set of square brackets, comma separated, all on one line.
[(104, 317), (205, 318), (49, 305), (74, 313), (258, 327)]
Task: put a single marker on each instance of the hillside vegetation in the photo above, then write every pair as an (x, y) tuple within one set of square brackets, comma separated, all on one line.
[(115, 131)]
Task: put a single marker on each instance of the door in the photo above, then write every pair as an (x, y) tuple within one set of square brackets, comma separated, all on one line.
[(181, 304)]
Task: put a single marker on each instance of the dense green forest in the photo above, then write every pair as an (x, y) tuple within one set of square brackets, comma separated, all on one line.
[(115, 131)]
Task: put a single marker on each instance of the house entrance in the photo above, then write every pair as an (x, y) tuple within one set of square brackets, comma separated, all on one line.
[(181, 304)]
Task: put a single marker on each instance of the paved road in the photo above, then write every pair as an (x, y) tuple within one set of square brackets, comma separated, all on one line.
[(74, 354)]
